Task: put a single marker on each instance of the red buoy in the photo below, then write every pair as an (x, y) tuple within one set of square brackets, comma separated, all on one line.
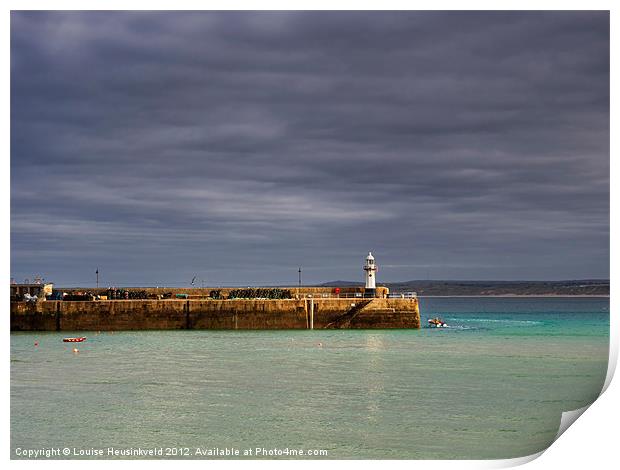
[(74, 340)]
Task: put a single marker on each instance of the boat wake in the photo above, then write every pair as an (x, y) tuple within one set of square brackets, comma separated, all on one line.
[(490, 320)]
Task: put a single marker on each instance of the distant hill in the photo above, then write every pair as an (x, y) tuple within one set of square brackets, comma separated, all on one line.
[(449, 287)]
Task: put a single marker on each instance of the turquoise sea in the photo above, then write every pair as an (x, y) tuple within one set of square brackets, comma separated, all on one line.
[(493, 385)]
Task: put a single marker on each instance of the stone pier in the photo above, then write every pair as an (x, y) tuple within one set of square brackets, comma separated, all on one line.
[(242, 314)]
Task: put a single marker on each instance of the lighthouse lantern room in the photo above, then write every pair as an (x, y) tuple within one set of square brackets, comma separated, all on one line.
[(371, 270)]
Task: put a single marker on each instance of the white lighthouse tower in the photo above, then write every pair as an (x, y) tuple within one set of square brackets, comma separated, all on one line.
[(371, 270)]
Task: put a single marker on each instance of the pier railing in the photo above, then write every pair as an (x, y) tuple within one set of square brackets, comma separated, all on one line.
[(351, 295), (294, 296)]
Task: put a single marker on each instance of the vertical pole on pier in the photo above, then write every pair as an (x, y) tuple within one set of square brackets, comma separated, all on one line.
[(312, 313), (57, 316)]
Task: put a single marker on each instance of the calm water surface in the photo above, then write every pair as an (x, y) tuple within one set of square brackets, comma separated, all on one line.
[(493, 385)]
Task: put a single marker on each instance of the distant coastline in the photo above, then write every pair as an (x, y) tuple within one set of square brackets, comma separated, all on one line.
[(520, 296), (456, 288), (434, 288)]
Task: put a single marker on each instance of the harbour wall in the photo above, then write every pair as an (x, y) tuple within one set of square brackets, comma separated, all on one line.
[(297, 291), (108, 315)]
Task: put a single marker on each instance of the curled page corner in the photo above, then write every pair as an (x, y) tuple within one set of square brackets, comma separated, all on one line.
[(517, 461), (568, 418)]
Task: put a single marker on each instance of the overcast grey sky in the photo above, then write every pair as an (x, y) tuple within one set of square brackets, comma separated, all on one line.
[(237, 146)]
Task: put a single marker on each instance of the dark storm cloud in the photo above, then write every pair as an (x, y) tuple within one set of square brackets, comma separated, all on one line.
[(240, 145)]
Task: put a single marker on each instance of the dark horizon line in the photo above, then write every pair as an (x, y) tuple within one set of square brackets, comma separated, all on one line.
[(334, 283)]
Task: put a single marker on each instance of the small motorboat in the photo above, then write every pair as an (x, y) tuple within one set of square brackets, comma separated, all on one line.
[(74, 340), (436, 323)]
